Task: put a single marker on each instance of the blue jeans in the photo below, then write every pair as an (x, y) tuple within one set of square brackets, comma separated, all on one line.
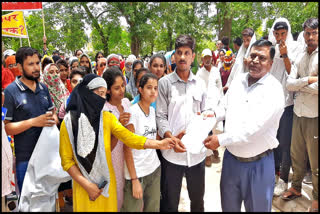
[(21, 168)]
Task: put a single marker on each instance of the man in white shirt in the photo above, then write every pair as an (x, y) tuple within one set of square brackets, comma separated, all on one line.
[(181, 96), (303, 80), (210, 73), (286, 51), (252, 108)]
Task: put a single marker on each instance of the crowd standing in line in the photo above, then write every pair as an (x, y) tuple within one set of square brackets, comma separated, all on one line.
[(122, 121)]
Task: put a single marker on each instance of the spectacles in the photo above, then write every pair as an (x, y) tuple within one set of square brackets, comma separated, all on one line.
[(12, 65), (260, 57)]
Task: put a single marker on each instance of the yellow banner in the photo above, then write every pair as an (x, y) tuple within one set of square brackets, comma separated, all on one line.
[(13, 25)]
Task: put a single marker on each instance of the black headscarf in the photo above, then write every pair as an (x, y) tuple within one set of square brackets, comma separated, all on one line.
[(83, 100)]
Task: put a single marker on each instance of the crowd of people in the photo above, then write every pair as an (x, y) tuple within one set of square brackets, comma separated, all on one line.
[(122, 121)]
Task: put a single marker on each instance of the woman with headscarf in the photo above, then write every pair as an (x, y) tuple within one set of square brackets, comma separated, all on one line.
[(11, 64), (57, 89), (131, 87), (248, 37), (85, 146), (85, 61), (73, 63), (171, 65), (128, 66), (113, 60)]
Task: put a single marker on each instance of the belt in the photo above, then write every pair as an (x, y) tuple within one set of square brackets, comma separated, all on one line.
[(255, 158)]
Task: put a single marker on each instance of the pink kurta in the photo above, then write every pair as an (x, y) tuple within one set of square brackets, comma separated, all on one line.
[(117, 154)]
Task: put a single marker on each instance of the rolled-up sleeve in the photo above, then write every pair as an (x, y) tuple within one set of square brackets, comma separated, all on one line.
[(162, 108)]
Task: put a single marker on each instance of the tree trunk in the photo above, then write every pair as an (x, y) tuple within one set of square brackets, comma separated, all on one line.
[(135, 45), (227, 23), (169, 48)]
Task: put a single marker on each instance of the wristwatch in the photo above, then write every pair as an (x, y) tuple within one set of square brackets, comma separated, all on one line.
[(284, 56)]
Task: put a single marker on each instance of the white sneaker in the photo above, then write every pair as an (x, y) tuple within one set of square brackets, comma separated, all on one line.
[(280, 187)]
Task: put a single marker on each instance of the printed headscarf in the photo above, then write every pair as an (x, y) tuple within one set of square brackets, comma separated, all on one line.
[(57, 89), (113, 57)]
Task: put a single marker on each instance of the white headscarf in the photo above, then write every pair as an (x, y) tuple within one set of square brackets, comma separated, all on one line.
[(238, 66)]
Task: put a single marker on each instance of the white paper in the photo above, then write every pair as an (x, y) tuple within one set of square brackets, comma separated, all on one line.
[(197, 131)]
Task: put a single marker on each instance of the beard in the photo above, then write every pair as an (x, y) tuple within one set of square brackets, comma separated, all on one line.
[(30, 77)]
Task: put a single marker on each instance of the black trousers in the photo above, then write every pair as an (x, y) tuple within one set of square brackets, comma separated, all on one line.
[(171, 182)]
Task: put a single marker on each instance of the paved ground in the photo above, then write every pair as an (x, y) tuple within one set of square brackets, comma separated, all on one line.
[(212, 201)]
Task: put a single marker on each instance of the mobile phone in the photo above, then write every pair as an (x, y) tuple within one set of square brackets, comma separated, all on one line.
[(102, 185)]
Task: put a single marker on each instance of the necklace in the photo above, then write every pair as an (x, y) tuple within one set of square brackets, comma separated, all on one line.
[(147, 115)]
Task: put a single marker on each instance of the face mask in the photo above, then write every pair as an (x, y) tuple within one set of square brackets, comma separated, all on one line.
[(15, 71)]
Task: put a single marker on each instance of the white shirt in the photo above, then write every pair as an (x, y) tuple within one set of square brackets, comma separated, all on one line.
[(146, 161), (177, 102), (306, 97), (252, 116), (278, 69)]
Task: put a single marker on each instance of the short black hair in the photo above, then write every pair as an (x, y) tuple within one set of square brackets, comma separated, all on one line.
[(24, 52), (247, 32), (62, 62), (263, 43), (185, 40), (110, 76), (55, 52), (225, 41), (139, 72), (238, 41), (144, 79), (76, 71), (280, 26), (312, 23), (56, 58)]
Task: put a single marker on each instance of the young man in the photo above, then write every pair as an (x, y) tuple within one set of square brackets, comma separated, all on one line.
[(237, 42), (27, 102), (181, 95), (286, 51), (303, 80), (252, 109)]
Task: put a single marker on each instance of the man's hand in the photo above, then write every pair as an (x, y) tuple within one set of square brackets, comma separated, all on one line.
[(43, 120), (124, 118), (44, 39), (211, 142), (283, 48), (137, 191), (312, 79), (167, 143)]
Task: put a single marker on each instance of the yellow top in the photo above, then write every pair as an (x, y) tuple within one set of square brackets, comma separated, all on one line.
[(81, 202)]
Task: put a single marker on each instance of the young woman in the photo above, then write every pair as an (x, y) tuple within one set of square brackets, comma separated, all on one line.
[(73, 63), (157, 65), (119, 106), (64, 73), (85, 61), (85, 147), (139, 75), (57, 89), (131, 86), (142, 169)]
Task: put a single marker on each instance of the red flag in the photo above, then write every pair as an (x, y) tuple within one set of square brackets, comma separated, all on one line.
[(12, 6)]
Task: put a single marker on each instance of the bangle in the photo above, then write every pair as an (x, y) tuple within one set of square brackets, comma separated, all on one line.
[(132, 179), (284, 56)]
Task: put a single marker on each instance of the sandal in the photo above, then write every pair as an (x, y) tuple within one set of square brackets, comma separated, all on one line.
[(290, 194)]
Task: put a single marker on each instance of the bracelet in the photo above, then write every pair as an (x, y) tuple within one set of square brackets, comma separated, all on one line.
[(132, 179), (284, 56), (44, 43)]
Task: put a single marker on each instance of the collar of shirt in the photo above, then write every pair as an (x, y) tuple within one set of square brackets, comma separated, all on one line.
[(23, 87), (176, 78), (305, 50), (260, 81)]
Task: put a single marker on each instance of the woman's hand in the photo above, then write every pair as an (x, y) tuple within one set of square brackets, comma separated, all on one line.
[(124, 118), (93, 191), (137, 191)]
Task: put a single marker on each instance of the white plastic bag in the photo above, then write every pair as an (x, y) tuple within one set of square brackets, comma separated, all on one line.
[(44, 174)]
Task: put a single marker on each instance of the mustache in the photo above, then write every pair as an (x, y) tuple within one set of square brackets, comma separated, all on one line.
[(182, 61)]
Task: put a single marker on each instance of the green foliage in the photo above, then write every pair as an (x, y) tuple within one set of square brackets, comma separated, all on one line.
[(152, 26)]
